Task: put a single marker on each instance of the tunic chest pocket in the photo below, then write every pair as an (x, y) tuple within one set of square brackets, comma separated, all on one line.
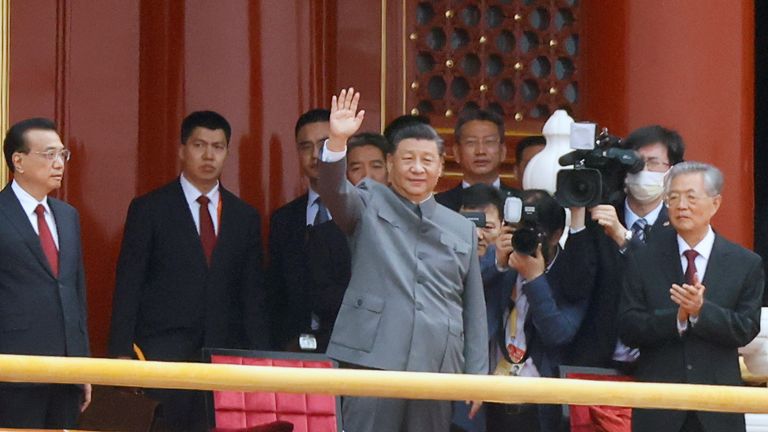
[(455, 244)]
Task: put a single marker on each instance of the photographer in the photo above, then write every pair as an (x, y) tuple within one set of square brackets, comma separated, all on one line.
[(535, 319), (620, 227)]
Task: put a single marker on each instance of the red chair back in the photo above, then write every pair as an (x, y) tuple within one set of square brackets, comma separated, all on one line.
[(232, 410)]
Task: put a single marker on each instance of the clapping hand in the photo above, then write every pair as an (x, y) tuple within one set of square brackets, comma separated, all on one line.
[(690, 298), (345, 120)]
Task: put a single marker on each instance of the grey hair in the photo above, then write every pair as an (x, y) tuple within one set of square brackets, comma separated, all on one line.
[(713, 177)]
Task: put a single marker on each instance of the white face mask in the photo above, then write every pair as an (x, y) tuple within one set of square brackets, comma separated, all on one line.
[(645, 186)]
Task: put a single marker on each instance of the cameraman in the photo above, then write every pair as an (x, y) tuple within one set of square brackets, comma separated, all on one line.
[(536, 316), (620, 227)]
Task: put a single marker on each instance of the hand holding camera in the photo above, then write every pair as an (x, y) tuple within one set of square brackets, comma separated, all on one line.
[(605, 215), (527, 266)]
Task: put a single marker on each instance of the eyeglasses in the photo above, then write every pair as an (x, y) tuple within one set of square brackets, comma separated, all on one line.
[(52, 155), (675, 198), (656, 165)]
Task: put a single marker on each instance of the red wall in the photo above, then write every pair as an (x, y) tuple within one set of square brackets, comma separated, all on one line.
[(660, 61), (120, 76)]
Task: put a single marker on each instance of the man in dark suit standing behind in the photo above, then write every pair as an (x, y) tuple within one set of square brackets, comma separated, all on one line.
[(309, 261), (42, 283), (479, 150), (189, 273), (691, 299)]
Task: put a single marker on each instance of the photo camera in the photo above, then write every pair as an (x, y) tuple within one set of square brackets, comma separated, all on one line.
[(477, 218), (599, 167), (527, 236)]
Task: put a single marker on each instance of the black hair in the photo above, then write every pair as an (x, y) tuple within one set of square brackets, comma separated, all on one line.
[(204, 119), (550, 216), (317, 115), (369, 138), (479, 115), (419, 131), (653, 134), (533, 140), (481, 195), (14, 139), (401, 122)]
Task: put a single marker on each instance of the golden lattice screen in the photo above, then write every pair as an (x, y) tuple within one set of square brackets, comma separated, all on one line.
[(516, 57)]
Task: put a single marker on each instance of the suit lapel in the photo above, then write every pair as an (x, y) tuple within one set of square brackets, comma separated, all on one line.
[(670, 265), (179, 207), (11, 208), (719, 271), (65, 227)]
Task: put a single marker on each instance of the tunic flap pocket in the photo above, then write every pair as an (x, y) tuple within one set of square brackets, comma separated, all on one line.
[(455, 328), (387, 215), (369, 301), (457, 245)]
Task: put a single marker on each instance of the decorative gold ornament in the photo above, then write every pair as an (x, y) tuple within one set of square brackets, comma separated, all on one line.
[(552, 91), (518, 116), (483, 39), (448, 113), (413, 36), (449, 13), (518, 66), (449, 63), (415, 85), (518, 17), (415, 111), (552, 43), (483, 88)]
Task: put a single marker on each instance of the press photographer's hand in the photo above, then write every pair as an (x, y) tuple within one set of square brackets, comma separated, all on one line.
[(529, 267), (504, 246)]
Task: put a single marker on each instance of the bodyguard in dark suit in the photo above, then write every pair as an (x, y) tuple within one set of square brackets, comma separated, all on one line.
[(479, 150), (619, 228), (42, 283), (415, 299), (189, 272), (691, 299), (309, 261)]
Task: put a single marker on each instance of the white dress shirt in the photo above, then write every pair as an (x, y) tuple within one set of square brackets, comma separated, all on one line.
[(191, 193), (313, 207), (496, 183), (29, 204), (630, 217), (704, 249)]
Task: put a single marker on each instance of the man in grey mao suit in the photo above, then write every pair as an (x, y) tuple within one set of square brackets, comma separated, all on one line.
[(415, 300)]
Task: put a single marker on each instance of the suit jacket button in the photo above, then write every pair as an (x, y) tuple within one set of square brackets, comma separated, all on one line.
[(424, 230), (359, 302), (689, 367), (419, 306)]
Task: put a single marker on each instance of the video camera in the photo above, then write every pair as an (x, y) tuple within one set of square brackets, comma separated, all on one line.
[(599, 167), (527, 236)]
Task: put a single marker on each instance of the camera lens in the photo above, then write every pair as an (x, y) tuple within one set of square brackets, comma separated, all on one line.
[(525, 240)]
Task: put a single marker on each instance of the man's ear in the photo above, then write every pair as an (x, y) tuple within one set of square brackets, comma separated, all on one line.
[(16, 160), (442, 165), (455, 152)]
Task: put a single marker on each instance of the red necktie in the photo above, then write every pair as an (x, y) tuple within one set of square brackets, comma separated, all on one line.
[(207, 233), (46, 240), (690, 271)]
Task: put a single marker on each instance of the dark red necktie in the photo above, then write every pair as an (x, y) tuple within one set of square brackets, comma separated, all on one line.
[(207, 233), (690, 271), (46, 240)]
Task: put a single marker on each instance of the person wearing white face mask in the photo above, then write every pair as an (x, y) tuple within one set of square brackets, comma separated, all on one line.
[(619, 228)]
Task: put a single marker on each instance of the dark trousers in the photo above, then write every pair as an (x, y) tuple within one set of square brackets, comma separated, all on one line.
[(179, 410), (40, 406), (512, 418), (692, 423)]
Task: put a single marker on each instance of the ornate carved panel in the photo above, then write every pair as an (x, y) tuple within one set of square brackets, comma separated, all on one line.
[(516, 57)]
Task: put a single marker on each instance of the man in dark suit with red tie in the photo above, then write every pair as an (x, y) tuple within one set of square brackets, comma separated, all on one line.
[(42, 283), (691, 299), (189, 274)]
